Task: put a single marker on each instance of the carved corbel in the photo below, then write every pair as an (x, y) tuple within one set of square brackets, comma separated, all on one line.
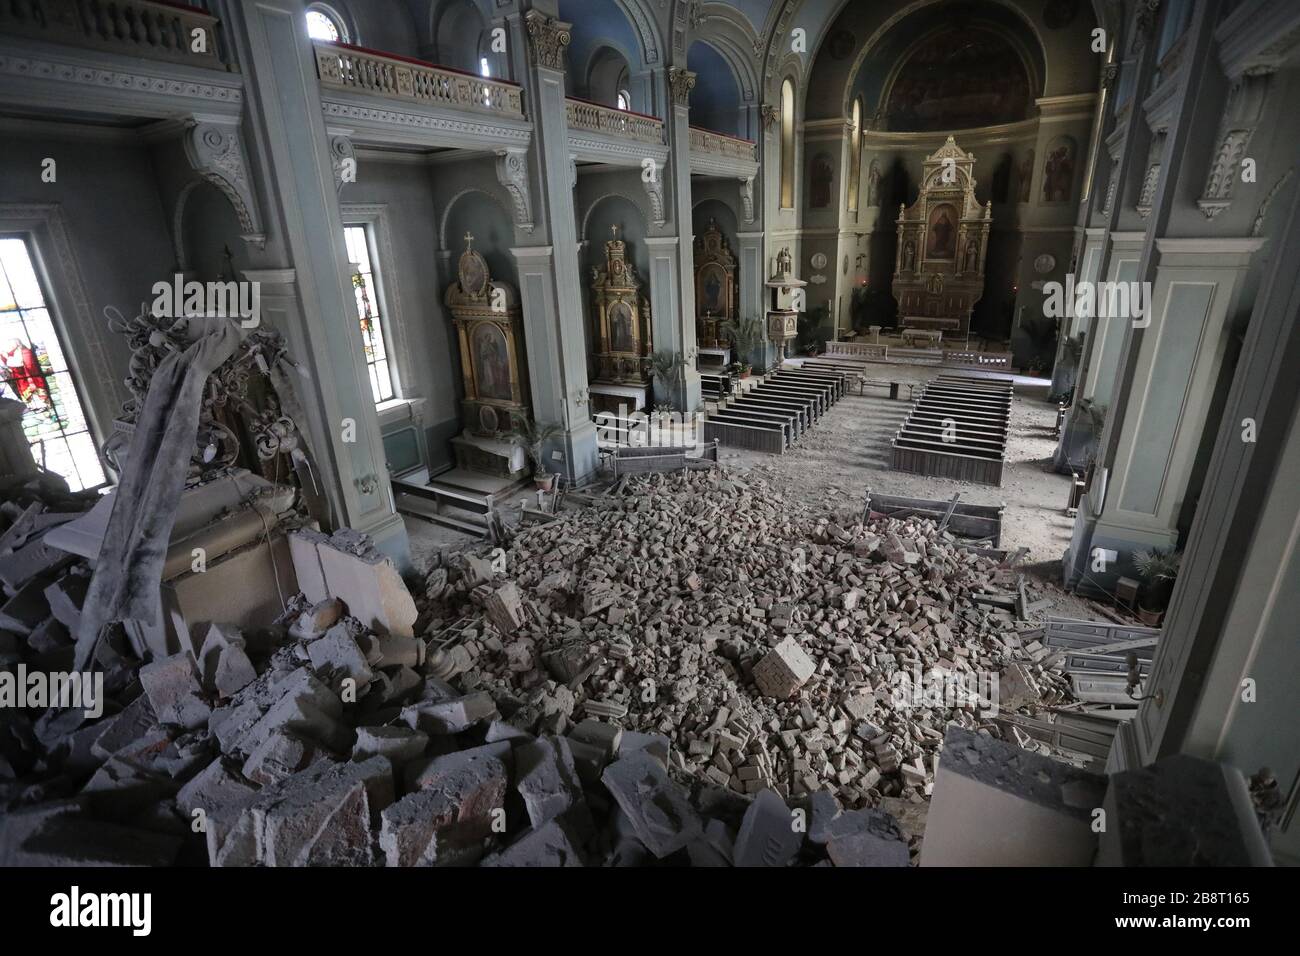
[(747, 198), (654, 190), (344, 160), (1240, 119), (512, 173), (216, 154), (771, 116)]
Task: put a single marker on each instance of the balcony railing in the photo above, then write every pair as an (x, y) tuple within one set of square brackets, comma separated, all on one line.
[(144, 28), (595, 118), (342, 66), (720, 144)]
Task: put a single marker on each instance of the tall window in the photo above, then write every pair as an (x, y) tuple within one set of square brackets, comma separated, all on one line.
[(360, 254), (855, 155), (36, 373), (322, 24), (787, 145)]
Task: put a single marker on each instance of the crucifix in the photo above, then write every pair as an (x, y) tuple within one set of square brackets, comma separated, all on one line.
[(469, 240), (613, 231)]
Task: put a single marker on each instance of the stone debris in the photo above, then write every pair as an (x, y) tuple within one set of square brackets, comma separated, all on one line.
[(692, 672)]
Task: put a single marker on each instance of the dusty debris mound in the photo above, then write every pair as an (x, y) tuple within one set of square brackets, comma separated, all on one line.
[(773, 647)]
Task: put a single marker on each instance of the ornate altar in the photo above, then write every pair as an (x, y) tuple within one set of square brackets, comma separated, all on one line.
[(489, 326), (622, 340), (782, 312), (942, 242), (715, 286)]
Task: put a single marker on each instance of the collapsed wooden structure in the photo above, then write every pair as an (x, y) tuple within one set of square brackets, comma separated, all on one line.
[(772, 414), (957, 429)]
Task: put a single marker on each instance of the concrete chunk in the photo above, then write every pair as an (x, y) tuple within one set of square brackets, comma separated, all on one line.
[(783, 670), (767, 835), (172, 686), (657, 808)]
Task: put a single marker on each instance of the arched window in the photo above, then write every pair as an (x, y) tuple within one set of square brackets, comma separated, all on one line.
[(325, 24), (855, 155), (624, 100), (36, 373), (787, 144)]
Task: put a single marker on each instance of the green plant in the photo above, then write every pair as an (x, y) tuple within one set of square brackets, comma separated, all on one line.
[(1156, 564), (531, 436), (665, 365), (745, 336), (1158, 568)]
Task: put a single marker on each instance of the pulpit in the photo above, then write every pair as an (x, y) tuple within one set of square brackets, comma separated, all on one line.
[(784, 299), (942, 244), (622, 340), (494, 366), (715, 287)]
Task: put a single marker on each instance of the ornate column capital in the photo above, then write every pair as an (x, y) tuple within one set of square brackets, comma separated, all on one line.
[(680, 82), (771, 116), (548, 39)]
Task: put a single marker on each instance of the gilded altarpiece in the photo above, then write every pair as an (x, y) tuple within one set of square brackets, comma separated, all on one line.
[(715, 286), (622, 338), (493, 362), (942, 243)]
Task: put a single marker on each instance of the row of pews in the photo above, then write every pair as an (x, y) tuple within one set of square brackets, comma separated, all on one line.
[(957, 429), (772, 414)]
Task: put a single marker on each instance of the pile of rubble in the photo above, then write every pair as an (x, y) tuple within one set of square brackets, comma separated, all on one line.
[(773, 648), (691, 672)]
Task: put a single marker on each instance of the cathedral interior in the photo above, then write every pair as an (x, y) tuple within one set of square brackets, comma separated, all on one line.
[(649, 432)]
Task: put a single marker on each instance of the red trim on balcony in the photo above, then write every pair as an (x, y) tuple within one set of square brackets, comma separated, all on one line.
[(738, 139), (606, 106), (412, 60)]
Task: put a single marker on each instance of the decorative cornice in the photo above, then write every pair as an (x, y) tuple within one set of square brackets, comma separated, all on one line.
[(680, 83), (342, 157), (548, 38), (116, 79), (399, 119)]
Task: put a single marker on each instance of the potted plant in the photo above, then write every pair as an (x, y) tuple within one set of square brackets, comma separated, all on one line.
[(531, 436), (1158, 568), (666, 366), (746, 337)]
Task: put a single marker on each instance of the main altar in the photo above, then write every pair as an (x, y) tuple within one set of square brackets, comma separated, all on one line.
[(942, 243)]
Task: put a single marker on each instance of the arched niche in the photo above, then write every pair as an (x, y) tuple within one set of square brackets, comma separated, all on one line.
[(460, 37), (205, 226), (715, 100), (490, 223), (614, 210), (608, 79)]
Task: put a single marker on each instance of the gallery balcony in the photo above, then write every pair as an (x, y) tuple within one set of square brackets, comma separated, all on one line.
[(393, 100), (138, 58), (718, 154), (603, 134), (151, 29)]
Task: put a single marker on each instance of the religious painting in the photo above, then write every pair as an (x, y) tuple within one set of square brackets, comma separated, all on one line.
[(1058, 170), (473, 275), (941, 233), (873, 184), (823, 173), (1025, 175), (712, 290), (909, 255), (959, 77), (492, 363), (620, 328)]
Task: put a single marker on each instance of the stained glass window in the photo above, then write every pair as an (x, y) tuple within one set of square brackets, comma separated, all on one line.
[(36, 373), (372, 331)]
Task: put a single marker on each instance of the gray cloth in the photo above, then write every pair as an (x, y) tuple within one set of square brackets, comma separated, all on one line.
[(128, 573)]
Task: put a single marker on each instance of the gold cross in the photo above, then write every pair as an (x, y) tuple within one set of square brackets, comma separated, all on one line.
[(469, 240), (614, 231)]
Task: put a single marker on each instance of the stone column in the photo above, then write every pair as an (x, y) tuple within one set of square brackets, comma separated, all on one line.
[(550, 272), (306, 291), (672, 264), (1107, 332)]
